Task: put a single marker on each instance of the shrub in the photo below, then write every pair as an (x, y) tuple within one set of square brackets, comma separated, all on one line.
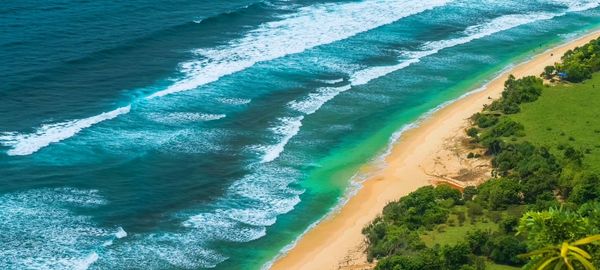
[(469, 193), (474, 210), (505, 248), (499, 193), (549, 72), (472, 132), (484, 120), (587, 189), (460, 216)]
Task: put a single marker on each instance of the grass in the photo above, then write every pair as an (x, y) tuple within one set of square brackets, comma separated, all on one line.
[(450, 235), (566, 115), (446, 234)]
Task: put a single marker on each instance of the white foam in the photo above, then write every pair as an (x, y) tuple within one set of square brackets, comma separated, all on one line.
[(26, 144), (294, 33), (288, 127), (491, 27), (39, 231), (250, 205), (184, 117), (315, 100), (307, 28), (335, 81), (286, 130), (120, 233), (578, 5), (366, 75), (86, 262), (235, 101)]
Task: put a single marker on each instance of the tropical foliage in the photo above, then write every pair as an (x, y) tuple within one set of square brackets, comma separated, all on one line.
[(543, 198), (578, 64), (564, 256)]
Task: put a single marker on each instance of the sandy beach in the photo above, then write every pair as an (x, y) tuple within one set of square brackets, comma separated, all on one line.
[(423, 155)]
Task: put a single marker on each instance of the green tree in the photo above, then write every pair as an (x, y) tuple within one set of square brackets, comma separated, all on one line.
[(499, 193), (552, 227), (549, 72), (469, 193), (587, 189)]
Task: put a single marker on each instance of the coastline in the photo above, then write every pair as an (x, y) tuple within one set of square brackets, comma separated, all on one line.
[(336, 242)]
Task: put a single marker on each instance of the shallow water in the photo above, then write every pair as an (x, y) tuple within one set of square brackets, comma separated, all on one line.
[(202, 134)]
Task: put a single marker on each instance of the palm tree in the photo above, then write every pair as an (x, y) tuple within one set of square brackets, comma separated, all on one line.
[(563, 256)]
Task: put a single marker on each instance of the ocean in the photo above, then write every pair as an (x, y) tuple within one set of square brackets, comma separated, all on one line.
[(211, 134)]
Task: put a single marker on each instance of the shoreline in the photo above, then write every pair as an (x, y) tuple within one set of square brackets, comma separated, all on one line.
[(335, 241)]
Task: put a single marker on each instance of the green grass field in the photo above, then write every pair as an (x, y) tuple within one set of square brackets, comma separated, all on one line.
[(446, 234), (568, 115)]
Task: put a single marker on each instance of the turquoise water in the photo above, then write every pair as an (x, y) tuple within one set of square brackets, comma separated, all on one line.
[(211, 134)]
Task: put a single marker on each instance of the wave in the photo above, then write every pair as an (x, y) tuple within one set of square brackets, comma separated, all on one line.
[(578, 5), (183, 117), (86, 262), (26, 144), (334, 81), (39, 231), (289, 127), (234, 101), (120, 233), (242, 214), (314, 101), (489, 28), (307, 28), (254, 201)]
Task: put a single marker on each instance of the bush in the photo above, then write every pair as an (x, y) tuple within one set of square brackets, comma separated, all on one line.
[(472, 132), (460, 216), (385, 240), (505, 248), (474, 210), (484, 120), (478, 241), (587, 189), (579, 64), (455, 256), (526, 89), (443, 192), (499, 193), (508, 224), (573, 155), (549, 72), (469, 193), (506, 128)]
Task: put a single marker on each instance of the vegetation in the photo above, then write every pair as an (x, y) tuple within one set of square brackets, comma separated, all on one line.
[(566, 255), (544, 143), (577, 65)]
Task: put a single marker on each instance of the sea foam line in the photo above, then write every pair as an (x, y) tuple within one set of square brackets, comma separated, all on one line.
[(309, 27), (26, 144), (277, 39), (314, 101), (357, 180)]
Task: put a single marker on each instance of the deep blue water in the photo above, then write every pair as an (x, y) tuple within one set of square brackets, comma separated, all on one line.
[(199, 134)]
